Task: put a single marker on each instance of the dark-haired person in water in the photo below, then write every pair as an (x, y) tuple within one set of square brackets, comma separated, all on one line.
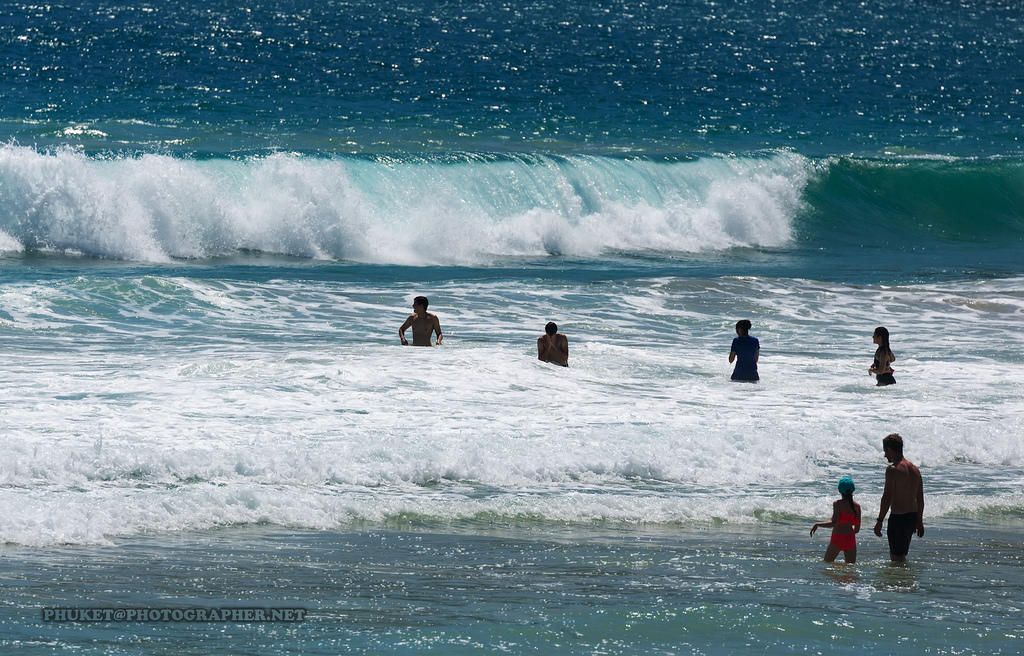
[(746, 350), (883, 358), (553, 346), (423, 324), (904, 495)]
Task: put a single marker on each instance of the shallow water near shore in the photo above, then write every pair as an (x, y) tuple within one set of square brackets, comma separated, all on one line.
[(529, 589)]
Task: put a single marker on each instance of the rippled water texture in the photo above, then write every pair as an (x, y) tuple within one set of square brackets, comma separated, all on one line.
[(596, 77)]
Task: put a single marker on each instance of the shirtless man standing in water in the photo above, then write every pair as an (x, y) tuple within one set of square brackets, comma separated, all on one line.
[(423, 324), (904, 494), (553, 346)]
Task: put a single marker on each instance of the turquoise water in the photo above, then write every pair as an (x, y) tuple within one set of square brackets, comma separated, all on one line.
[(214, 217), (529, 590)]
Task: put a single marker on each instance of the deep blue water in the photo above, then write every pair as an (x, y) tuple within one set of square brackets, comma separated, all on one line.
[(599, 77)]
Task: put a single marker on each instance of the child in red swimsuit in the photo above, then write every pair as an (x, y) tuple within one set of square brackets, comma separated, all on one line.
[(845, 524)]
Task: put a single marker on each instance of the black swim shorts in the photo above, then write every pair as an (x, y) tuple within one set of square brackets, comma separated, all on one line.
[(885, 379), (899, 530)]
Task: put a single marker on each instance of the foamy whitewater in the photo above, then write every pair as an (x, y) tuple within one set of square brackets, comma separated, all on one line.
[(171, 403), (214, 217), (456, 209)]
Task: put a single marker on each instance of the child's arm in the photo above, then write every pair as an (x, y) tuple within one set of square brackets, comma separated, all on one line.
[(830, 523), (822, 525)]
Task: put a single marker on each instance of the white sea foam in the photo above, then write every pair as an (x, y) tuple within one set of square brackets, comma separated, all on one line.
[(470, 209), (170, 403), (9, 244), (95, 517)]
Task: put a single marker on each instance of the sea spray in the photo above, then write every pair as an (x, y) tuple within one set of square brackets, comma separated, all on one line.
[(455, 209), (482, 209)]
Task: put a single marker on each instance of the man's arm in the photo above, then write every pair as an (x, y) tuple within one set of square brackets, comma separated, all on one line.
[(920, 506), (540, 347), (401, 331), (890, 473), (437, 329), (757, 355)]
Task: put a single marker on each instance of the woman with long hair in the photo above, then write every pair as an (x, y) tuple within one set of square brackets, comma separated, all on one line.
[(884, 357)]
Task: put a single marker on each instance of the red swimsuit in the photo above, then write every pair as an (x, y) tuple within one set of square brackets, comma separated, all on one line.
[(846, 540)]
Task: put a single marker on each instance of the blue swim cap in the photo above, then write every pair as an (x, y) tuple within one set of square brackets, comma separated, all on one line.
[(846, 485)]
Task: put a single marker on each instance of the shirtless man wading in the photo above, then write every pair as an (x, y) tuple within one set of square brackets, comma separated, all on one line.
[(423, 323), (553, 346), (904, 495)]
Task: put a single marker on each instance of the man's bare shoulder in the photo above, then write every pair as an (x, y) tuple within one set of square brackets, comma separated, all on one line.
[(903, 468)]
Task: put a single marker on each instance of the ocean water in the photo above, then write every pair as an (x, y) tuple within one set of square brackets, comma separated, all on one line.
[(214, 217)]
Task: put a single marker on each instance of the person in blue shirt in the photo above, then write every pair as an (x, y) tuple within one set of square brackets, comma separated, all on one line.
[(745, 352)]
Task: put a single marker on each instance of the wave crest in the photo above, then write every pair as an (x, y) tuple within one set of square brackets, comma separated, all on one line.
[(456, 209)]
